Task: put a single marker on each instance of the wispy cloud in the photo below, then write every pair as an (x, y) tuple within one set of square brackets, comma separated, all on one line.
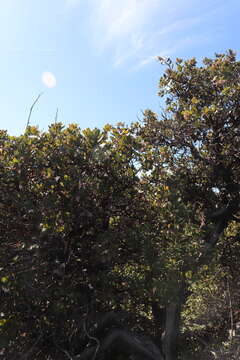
[(118, 19), (178, 25), (72, 3), (134, 31), (122, 27), (168, 51), (30, 50), (128, 49), (147, 60)]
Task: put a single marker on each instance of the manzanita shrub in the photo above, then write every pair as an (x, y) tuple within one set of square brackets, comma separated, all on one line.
[(111, 240)]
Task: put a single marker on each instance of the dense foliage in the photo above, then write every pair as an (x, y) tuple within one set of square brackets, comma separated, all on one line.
[(124, 242)]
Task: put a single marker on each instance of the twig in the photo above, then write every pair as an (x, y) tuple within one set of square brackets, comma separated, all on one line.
[(64, 351), (230, 310), (56, 116), (91, 338), (31, 108), (25, 356)]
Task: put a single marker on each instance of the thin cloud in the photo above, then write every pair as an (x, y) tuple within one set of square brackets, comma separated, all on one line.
[(178, 25), (134, 45), (134, 30), (167, 52), (30, 50), (115, 20), (72, 3), (149, 43), (147, 61), (176, 45)]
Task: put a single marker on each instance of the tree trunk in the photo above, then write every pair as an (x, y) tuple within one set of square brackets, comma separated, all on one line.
[(167, 320), (170, 336)]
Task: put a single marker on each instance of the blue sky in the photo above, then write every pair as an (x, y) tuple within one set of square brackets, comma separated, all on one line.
[(100, 55)]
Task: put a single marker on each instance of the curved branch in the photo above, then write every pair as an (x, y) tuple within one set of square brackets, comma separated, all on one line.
[(122, 341), (92, 338), (99, 322)]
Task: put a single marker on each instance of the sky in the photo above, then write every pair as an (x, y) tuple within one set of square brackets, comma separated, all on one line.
[(95, 60)]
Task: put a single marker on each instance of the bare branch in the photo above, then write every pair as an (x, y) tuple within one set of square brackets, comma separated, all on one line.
[(25, 356), (64, 351), (31, 108), (230, 310), (56, 116), (123, 341), (92, 338)]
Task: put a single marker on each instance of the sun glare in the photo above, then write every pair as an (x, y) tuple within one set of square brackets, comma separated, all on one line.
[(49, 79)]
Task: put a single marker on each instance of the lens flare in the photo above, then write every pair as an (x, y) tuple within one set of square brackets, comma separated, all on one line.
[(49, 79)]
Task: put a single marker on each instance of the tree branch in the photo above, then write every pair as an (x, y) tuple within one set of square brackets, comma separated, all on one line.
[(122, 341), (31, 109)]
